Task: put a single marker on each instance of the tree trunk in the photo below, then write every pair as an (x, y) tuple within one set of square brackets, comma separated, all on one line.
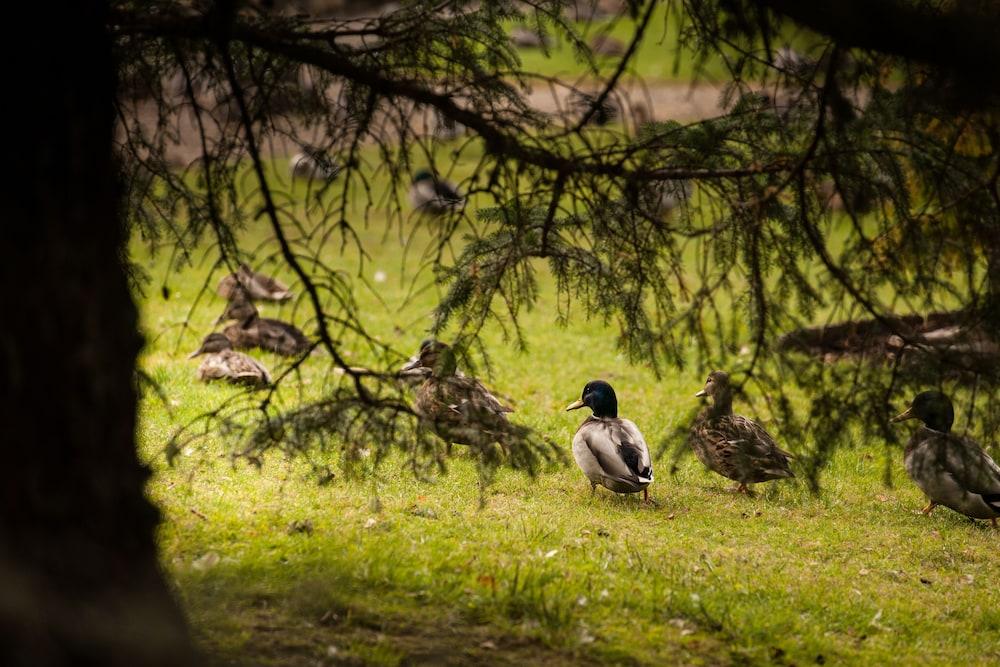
[(79, 578)]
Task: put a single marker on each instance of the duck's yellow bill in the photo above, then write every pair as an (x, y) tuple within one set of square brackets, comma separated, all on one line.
[(575, 405), (903, 416), (701, 393)]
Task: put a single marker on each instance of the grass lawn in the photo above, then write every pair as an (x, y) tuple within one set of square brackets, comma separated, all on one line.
[(274, 568)]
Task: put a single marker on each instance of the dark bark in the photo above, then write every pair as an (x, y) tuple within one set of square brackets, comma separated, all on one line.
[(79, 578)]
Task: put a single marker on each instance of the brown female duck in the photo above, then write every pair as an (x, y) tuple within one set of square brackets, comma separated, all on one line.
[(458, 408), (252, 330), (734, 446), (256, 286), (222, 362)]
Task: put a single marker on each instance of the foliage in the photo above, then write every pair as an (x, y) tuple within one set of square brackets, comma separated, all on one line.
[(753, 250)]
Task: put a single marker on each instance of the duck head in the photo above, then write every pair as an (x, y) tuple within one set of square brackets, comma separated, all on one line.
[(933, 408), (212, 344), (599, 397), (434, 358), (239, 307), (422, 176), (717, 387)]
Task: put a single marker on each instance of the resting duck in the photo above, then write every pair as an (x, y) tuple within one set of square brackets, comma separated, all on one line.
[(952, 470), (266, 334), (456, 407), (432, 195), (609, 450), (224, 363), (255, 286), (313, 164), (734, 446)]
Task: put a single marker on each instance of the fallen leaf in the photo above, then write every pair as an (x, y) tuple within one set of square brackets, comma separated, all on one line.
[(670, 517), (370, 522), (488, 644), (550, 554)]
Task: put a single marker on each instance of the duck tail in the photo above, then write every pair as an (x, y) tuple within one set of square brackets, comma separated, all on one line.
[(993, 500)]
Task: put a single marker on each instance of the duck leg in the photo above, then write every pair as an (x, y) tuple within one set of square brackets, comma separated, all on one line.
[(993, 522), (593, 488), (744, 489), (930, 506), (645, 497)]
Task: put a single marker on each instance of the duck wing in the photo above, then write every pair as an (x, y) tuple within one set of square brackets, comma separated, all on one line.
[(281, 337), (244, 369), (447, 193), (948, 467), (263, 287), (740, 449), (461, 410), (619, 449)]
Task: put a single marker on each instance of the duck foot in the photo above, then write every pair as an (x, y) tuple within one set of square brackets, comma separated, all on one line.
[(930, 507), (742, 488)]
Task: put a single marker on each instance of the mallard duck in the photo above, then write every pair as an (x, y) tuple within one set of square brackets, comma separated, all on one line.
[(734, 446), (951, 470), (252, 330), (610, 450), (433, 195), (255, 286), (313, 164), (458, 408), (222, 362)]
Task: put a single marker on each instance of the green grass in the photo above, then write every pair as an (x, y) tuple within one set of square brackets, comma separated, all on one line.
[(395, 570), (659, 58)]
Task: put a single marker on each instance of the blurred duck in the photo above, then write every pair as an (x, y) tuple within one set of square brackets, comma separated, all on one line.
[(734, 446), (313, 164), (222, 362), (255, 331), (432, 195), (456, 407), (951, 470), (610, 450), (256, 286)]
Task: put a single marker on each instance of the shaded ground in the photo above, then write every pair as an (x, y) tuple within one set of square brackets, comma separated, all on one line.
[(352, 636)]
